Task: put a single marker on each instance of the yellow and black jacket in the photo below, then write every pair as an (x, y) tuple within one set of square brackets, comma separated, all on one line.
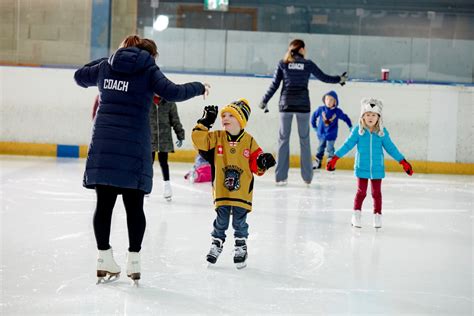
[(233, 160)]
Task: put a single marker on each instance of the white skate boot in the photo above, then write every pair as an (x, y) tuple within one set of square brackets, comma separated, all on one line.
[(215, 251), (133, 267), (356, 219), (106, 266), (377, 220), (240, 253), (167, 193)]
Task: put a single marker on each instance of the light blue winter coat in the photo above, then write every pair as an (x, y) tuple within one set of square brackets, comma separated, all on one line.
[(369, 159)]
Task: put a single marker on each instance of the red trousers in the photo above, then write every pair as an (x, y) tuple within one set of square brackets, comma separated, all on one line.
[(376, 185)]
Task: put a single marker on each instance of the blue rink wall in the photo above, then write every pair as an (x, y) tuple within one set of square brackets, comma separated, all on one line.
[(44, 113)]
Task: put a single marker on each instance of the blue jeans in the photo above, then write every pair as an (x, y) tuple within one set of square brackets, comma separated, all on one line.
[(221, 223), (322, 147)]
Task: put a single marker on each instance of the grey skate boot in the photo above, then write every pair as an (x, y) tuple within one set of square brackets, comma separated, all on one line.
[(240, 253), (215, 251)]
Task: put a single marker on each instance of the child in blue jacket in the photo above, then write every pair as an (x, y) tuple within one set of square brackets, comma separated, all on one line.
[(371, 138), (325, 122)]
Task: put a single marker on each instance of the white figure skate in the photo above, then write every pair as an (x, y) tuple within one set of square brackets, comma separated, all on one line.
[(377, 221), (133, 267), (167, 193), (107, 269), (356, 219)]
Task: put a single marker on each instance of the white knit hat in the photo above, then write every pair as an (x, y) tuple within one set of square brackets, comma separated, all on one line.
[(371, 105)]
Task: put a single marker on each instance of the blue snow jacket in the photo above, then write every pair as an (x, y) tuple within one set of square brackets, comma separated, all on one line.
[(120, 151), (294, 93), (325, 130), (369, 159)]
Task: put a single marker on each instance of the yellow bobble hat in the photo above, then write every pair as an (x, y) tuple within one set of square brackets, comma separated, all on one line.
[(240, 109)]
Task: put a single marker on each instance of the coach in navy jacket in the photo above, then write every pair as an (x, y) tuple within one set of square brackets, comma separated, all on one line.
[(119, 157), (120, 151), (294, 70)]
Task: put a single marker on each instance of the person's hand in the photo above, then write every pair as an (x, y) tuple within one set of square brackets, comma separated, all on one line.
[(265, 161), (207, 88), (343, 79), (179, 143), (327, 122), (209, 116), (264, 107), (331, 166), (407, 167)]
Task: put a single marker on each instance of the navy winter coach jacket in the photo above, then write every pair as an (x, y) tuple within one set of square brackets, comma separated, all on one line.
[(120, 151), (294, 93)]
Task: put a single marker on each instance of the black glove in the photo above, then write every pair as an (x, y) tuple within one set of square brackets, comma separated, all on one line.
[(343, 79), (209, 116), (264, 107), (265, 161)]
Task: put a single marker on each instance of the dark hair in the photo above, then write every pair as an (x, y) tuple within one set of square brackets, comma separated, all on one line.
[(130, 41), (293, 48), (150, 46)]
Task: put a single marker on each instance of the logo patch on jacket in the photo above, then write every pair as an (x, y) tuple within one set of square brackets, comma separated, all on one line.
[(232, 177), (118, 85), (296, 66), (246, 153), (220, 150)]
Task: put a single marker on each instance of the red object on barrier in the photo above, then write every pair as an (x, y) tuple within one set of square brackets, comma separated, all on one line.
[(385, 74)]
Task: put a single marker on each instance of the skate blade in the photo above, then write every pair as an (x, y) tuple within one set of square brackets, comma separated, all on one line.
[(168, 198), (135, 277), (240, 265), (111, 277)]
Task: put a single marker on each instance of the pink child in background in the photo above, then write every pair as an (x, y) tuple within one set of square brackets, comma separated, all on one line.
[(201, 171)]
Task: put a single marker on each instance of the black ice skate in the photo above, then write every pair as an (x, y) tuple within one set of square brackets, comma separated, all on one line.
[(240, 253), (215, 251), (317, 164)]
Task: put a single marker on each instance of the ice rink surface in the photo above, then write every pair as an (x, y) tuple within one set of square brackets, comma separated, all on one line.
[(304, 256)]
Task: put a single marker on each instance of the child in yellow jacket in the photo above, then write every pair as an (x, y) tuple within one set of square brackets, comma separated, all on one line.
[(234, 156)]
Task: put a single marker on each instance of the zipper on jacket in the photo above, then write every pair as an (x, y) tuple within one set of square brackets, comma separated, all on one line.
[(370, 151)]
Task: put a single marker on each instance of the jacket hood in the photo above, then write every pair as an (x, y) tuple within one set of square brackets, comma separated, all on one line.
[(131, 60), (333, 94)]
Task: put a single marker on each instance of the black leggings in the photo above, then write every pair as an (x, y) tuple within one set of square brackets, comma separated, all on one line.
[(163, 159), (136, 222)]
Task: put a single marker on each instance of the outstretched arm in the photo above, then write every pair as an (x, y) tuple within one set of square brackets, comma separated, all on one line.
[(170, 91), (319, 74), (350, 142), (343, 116), (87, 75)]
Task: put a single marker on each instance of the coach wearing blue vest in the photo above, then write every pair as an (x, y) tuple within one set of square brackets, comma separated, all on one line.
[(294, 70), (119, 157)]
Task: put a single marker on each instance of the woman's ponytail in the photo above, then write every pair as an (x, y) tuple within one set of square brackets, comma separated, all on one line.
[(293, 49)]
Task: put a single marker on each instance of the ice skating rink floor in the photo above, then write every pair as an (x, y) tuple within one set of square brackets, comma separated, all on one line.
[(304, 257)]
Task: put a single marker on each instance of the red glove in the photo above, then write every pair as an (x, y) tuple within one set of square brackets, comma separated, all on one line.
[(331, 166), (407, 167)]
